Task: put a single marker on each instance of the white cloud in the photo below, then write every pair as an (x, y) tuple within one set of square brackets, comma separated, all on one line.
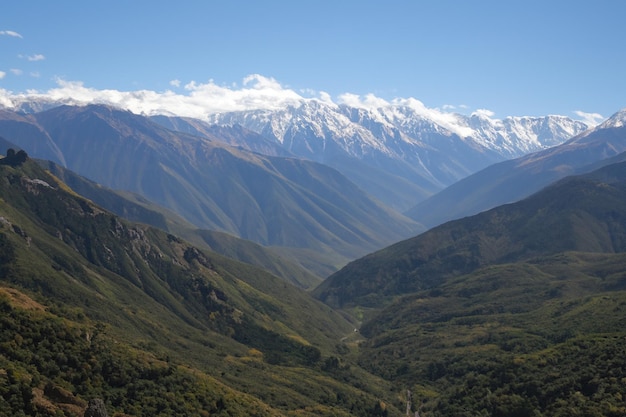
[(453, 107), (255, 92), (199, 100), (36, 57), (370, 101), (10, 33), (2, 74), (16, 71), (592, 119), (202, 99), (488, 114), (325, 97), (448, 120)]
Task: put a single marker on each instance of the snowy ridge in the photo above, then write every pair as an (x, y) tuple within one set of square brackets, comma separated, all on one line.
[(405, 140), (617, 120), (400, 151), (401, 129)]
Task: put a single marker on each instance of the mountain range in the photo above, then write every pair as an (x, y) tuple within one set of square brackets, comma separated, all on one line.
[(401, 154), (307, 210), (514, 311), (211, 172), (514, 179)]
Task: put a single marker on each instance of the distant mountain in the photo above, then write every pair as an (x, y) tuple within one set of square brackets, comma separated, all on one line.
[(513, 180), (585, 214), (308, 209), (236, 135), (401, 153), (137, 209), (24, 132), (96, 307)]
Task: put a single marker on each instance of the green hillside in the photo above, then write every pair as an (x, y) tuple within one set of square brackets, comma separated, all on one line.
[(297, 207), (540, 338), (135, 208), (518, 311), (96, 307), (575, 214)]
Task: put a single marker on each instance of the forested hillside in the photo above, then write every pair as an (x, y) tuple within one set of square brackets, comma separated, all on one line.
[(518, 311), (96, 307)]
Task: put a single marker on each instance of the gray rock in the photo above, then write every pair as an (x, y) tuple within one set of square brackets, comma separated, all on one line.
[(96, 408)]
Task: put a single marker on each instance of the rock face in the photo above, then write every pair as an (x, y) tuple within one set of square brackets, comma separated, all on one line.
[(96, 408)]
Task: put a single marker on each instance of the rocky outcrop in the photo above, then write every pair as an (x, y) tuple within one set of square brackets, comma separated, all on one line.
[(96, 408)]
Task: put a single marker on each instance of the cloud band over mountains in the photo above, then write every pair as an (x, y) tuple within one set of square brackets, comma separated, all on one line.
[(199, 100)]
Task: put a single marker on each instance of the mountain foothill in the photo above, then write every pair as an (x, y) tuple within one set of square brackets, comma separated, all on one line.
[(310, 261)]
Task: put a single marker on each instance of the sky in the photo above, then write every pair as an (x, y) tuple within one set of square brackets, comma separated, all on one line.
[(505, 57)]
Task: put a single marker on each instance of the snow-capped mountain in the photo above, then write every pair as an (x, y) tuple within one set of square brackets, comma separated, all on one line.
[(615, 121), (518, 178), (401, 152)]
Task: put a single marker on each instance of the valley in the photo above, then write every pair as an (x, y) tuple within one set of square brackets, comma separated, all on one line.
[(171, 266)]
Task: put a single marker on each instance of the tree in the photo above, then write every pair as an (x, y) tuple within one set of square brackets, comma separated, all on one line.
[(14, 158)]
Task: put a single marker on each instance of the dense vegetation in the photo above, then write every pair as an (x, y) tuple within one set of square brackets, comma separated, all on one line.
[(153, 325), (52, 365), (515, 339), (518, 311)]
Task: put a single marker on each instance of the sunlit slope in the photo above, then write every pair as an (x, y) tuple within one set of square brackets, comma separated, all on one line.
[(134, 310)]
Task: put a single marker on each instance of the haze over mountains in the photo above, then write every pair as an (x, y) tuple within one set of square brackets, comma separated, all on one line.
[(518, 310), (399, 152), (578, 214), (305, 207), (400, 155), (515, 179)]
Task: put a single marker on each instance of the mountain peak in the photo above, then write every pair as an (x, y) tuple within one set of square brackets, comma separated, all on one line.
[(617, 120)]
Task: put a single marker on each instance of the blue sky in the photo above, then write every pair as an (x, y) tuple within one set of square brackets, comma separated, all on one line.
[(510, 57)]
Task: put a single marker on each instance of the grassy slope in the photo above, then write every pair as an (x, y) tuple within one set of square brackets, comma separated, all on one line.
[(511, 339), (160, 303), (273, 201), (137, 209), (578, 213), (517, 311)]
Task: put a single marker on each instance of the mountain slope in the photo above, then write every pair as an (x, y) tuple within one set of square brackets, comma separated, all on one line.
[(137, 209), (273, 201), (401, 152), (132, 311), (575, 214), (543, 337), (518, 310), (513, 180), (24, 131), (233, 135)]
